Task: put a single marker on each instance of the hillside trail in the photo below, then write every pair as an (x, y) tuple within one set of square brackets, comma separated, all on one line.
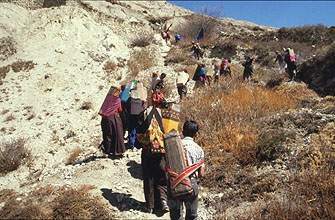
[(118, 181), (53, 94)]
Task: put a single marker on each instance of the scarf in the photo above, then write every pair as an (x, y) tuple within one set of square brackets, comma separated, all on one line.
[(110, 105)]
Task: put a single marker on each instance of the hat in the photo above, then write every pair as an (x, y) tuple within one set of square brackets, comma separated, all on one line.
[(193, 42)]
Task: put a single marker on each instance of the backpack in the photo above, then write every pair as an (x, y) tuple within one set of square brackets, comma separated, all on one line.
[(224, 64), (149, 134), (156, 98), (135, 106)]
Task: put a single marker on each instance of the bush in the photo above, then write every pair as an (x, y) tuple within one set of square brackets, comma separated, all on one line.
[(142, 41), (13, 154), (190, 30), (141, 60), (175, 55), (7, 48), (23, 66), (109, 66), (73, 155), (54, 203)]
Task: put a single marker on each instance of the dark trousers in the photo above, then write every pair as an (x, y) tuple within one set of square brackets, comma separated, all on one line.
[(154, 179), (191, 204), (182, 91)]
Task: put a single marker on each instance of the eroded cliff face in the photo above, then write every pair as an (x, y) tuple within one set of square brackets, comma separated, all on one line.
[(319, 72)]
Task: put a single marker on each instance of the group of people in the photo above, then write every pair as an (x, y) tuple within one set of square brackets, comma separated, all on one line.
[(127, 108)]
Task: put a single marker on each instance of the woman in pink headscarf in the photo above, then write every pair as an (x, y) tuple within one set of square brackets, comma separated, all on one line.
[(111, 124)]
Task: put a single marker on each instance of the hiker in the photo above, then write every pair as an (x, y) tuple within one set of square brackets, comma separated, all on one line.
[(200, 76), (229, 68), (281, 62), (111, 123), (194, 155), (153, 80), (177, 38), (290, 62), (166, 36), (134, 108), (216, 71), (149, 137), (157, 95), (223, 66), (182, 80), (124, 96), (196, 49), (248, 68), (159, 84)]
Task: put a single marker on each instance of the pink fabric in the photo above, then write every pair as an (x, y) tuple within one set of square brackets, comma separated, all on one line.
[(110, 105)]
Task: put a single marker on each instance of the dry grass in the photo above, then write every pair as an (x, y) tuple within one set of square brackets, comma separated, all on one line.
[(7, 48), (142, 40), (54, 203), (5, 111), (309, 195), (73, 155), (21, 65), (141, 60), (13, 154), (3, 72), (109, 66), (9, 118), (227, 114)]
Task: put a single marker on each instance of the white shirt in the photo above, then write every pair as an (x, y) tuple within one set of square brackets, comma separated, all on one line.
[(194, 153)]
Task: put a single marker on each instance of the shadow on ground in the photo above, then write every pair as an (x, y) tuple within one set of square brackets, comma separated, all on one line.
[(135, 169), (94, 158), (124, 202)]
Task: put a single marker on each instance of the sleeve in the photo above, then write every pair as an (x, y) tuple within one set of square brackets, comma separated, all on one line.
[(202, 157)]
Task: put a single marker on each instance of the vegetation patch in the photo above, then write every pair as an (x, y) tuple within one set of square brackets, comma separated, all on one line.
[(7, 48), (141, 60), (141, 40), (54, 203), (21, 65), (13, 154), (73, 155)]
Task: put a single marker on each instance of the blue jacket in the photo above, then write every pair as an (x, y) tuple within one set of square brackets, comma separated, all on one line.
[(124, 95), (199, 73)]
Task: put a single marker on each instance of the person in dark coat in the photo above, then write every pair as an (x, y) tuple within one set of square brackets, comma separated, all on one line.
[(248, 68), (149, 137), (111, 124)]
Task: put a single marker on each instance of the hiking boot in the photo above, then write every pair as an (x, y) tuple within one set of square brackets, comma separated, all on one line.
[(165, 206)]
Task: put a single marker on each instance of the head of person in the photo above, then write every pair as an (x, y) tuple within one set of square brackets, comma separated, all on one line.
[(193, 42), (114, 90), (229, 60), (185, 70), (123, 87), (190, 128), (154, 74), (163, 75)]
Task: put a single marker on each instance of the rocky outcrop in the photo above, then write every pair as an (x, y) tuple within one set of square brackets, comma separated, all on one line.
[(319, 73)]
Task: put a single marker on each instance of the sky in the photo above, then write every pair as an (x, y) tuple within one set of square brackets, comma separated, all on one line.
[(270, 13)]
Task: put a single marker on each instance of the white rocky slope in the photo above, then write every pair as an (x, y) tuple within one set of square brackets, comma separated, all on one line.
[(69, 46)]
